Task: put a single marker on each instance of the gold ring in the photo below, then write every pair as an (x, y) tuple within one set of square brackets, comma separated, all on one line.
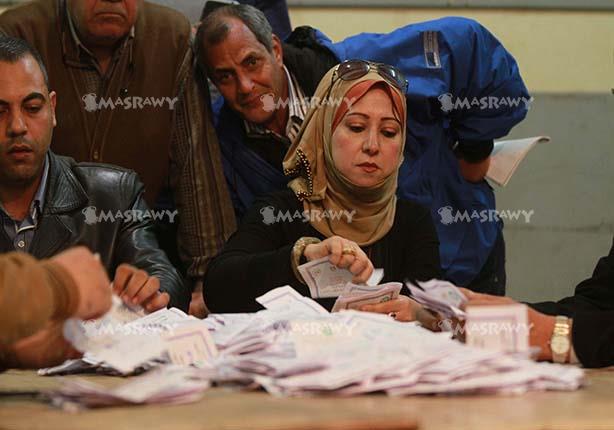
[(348, 250)]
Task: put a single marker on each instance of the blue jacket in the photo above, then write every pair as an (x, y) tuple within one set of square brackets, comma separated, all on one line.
[(463, 87)]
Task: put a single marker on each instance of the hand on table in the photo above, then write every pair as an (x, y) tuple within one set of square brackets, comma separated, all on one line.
[(135, 287), (344, 254)]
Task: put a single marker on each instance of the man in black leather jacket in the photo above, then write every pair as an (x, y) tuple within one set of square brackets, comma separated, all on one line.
[(50, 203)]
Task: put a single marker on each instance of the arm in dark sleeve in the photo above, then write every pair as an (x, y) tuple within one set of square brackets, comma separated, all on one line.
[(423, 252), (593, 294), (593, 338), (137, 245), (255, 260)]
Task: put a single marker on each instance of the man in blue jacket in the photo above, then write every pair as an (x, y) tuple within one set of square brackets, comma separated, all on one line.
[(464, 91)]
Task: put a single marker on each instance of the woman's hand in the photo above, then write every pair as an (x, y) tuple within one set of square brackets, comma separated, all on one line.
[(401, 309), (344, 254)]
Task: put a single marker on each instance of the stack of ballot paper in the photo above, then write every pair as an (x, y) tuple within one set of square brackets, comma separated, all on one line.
[(440, 296), (327, 280), (354, 296), (168, 384), (126, 341), (296, 347)]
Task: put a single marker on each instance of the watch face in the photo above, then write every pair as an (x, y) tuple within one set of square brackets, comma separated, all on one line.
[(559, 345)]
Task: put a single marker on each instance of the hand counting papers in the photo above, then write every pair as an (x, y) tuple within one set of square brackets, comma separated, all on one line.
[(440, 296), (327, 280), (354, 296), (125, 344)]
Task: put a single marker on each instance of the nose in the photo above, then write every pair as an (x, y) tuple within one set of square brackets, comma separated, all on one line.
[(371, 143), (246, 85), (16, 125)]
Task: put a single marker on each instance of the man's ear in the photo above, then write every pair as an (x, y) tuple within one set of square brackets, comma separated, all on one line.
[(53, 101), (278, 51)]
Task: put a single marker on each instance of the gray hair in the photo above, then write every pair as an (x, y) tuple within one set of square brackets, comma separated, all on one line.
[(214, 28)]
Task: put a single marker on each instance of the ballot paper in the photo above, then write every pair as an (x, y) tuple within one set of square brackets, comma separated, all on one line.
[(167, 384), (125, 339), (507, 155), (354, 296), (294, 347), (440, 296), (327, 280), (191, 344), (500, 327)]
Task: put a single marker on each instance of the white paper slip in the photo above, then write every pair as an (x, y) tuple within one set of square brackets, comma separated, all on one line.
[(507, 156), (327, 280), (323, 278), (191, 344), (166, 385), (499, 327), (355, 296), (287, 299), (440, 296)]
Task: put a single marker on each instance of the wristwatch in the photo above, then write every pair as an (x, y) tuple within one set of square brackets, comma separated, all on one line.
[(560, 342)]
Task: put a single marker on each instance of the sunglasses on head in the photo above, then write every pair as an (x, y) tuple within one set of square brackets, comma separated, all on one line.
[(351, 70)]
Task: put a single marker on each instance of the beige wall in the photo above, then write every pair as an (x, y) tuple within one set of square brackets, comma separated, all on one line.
[(558, 52), (562, 52)]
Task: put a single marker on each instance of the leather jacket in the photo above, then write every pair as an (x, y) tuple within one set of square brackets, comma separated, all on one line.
[(102, 207)]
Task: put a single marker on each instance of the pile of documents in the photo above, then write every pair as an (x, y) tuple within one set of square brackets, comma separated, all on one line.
[(296, 347), (166, 384)]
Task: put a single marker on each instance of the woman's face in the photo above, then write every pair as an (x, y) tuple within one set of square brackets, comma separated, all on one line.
[(367, 141)]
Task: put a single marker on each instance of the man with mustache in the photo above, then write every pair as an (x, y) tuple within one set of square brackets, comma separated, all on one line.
[(123, 70), (267, 85), (44, 197)]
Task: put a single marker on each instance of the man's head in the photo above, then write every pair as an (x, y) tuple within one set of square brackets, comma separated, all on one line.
[(104, 22), (244, 59), (27, 113)]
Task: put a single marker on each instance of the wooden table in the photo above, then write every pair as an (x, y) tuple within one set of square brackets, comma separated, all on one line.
[(589, 408)]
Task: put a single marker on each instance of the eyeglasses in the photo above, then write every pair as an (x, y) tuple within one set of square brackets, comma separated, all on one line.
[(351, 70)]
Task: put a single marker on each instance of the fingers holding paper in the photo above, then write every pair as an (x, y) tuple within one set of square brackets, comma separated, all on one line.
[(137, 287), (344, 254), (401, 309)]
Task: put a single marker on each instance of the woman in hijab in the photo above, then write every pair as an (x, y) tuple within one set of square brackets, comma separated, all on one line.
[(341, 202)]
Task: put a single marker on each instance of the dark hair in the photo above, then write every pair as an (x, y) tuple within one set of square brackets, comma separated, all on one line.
[(13, 49), (214, 28)]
